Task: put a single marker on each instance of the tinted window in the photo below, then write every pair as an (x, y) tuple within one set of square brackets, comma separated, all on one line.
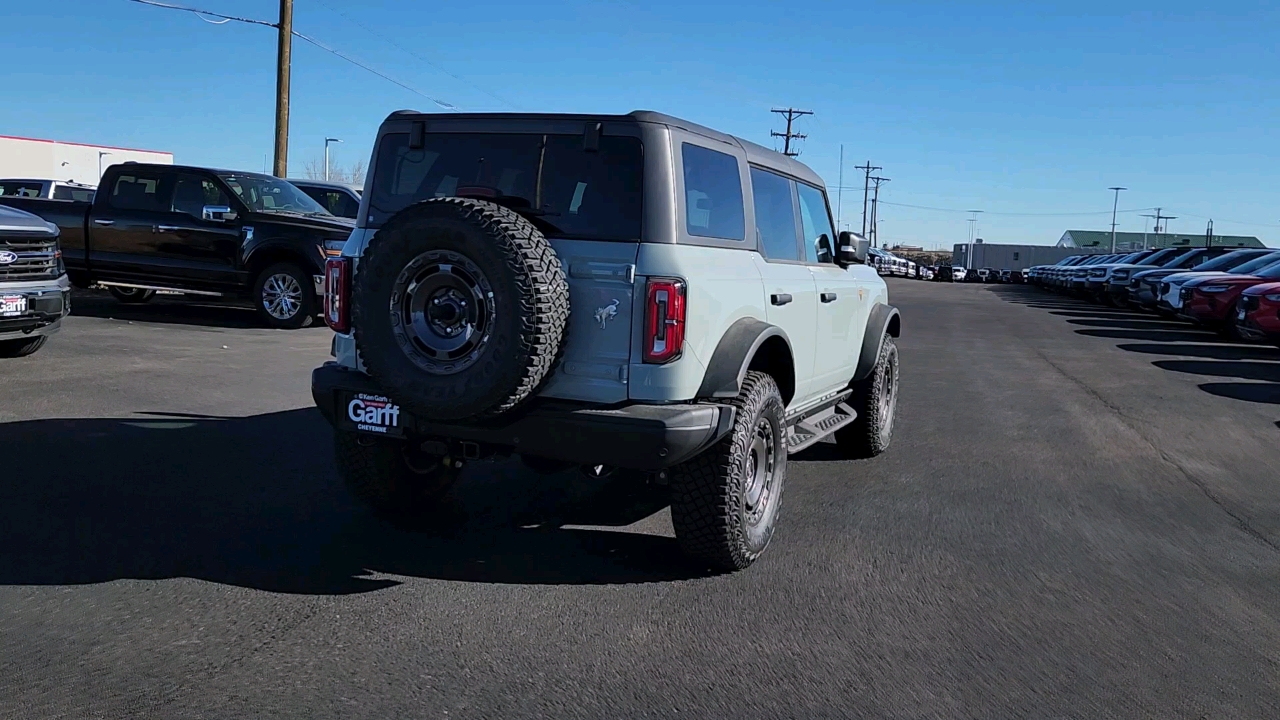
[(1270, 272), (192, 192), (335, 201), (1230, 260), (712, 194), (563, 189), (264, 193), (138, 191), (775, 215), (1256, 264), (817, 223), (64, 192), (21, 189)]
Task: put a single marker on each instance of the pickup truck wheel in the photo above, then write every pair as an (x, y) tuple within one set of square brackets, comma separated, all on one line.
[(460, 308), (382, 474), (725, 502), (876, 401), (22, 346), (284, 296), (131, 296)]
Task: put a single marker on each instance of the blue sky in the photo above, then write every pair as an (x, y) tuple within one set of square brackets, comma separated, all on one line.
[(1021, 108)]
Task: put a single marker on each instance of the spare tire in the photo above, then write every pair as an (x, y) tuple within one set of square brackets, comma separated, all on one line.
[(459, 308)]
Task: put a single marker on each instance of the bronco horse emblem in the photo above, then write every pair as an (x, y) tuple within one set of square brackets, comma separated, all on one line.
[(607, 313)]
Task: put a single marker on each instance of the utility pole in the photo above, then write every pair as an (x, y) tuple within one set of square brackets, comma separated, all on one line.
[(973, 224), (875, 201), (1158, 229), (1114, 205), (790, 114), (283, 64), (866, 184), (840, 190)]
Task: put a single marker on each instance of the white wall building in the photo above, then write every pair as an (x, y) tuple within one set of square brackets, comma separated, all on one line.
[(67, 161)]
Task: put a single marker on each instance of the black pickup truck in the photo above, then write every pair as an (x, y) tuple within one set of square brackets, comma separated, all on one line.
[(199, 231)]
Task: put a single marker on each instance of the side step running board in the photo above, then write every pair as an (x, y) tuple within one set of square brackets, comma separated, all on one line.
[(112, 283), (819, 423)]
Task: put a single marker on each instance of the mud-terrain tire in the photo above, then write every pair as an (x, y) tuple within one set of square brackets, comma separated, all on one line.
[(725, 502), (875, 399), (21, 347), (379, 473), (460, 308), (131, 295)]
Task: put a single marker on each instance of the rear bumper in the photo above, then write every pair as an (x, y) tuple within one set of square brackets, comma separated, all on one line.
[(639, 437)]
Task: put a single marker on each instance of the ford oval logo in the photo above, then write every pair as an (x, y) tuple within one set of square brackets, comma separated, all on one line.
[(8, 258)]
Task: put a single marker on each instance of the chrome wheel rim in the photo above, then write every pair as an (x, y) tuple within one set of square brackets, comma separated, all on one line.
[(759, 472), (282, 296), (442, 312)]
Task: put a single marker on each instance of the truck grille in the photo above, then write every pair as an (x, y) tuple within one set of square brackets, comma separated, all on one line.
[(1250, 302), (1185, 293), (37, 259)]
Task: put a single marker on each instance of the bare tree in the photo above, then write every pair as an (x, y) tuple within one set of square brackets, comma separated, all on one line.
[(314, 170)]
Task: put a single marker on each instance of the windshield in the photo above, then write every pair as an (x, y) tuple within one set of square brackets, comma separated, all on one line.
[(1158, 257), (267, 194), (1256, 264), (1230, 261), (563, 189)]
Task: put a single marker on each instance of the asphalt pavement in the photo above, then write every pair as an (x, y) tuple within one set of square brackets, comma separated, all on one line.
[(1079, 517)]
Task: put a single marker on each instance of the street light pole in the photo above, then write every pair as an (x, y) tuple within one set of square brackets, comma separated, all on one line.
[(326, 155), (1114, 205), (100, 154)]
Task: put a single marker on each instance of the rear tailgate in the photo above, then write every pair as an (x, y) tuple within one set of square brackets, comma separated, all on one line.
[(597, 346)]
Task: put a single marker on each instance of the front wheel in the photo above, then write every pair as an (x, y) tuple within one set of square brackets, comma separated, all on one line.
[(284, 296), (21, 347), (725, 502), (389, 477), (876, 401)]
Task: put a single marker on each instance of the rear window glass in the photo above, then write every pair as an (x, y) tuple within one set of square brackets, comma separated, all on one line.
[(63, 192), (21, 189), (563, 189)]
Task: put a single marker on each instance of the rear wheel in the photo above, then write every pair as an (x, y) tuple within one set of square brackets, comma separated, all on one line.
[(725, 502), (131, 296), (284, 296), (21, 347), (389, 477)]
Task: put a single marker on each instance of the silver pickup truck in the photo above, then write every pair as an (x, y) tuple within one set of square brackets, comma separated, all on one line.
[(34, 291)]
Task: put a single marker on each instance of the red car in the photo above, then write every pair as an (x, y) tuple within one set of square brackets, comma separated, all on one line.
[(1211, 300), (1258, 313)]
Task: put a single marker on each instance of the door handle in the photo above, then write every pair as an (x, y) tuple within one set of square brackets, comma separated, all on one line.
[(780, 298), (167, 228), (828, 297), (98, 221)]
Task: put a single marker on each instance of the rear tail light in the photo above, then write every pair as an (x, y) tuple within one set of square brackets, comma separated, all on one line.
[(664, 320), (337, 293)]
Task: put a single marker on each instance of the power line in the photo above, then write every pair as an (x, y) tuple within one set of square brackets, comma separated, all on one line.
[(397, 45), (790, 114)]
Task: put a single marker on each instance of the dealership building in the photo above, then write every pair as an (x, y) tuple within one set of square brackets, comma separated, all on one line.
[(33, 158), (1076, 242)]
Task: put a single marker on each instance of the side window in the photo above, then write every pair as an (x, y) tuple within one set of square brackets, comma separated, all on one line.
[(137, 191), (816, 222), (775, 215), (713, 194), (192, 192)]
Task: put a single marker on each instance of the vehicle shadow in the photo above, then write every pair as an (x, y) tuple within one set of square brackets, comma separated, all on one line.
[(166, 309), (1249, 392), (1181, 334), (255, 502), (1139, 323), (1219, 352), (1269, 372)]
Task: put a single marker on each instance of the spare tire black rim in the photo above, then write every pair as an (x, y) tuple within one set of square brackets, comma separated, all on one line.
[(442, 311)]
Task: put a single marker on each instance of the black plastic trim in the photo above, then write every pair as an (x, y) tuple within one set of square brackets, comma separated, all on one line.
[(729, 363), (877, 325), (639, 437)]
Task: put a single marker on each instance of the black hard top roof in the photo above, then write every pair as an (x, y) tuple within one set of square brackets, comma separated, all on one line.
[(755, 153)]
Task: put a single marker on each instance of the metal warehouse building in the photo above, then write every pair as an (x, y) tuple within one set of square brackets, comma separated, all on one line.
[(1009, 257), (33, 158), (1132, 241)]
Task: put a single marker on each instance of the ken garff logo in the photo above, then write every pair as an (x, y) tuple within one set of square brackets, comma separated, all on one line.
[(8, 258), (607, 313)]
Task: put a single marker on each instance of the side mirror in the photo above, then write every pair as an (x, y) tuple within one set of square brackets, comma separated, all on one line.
[(217, 213), (853, 248), (823, 247)]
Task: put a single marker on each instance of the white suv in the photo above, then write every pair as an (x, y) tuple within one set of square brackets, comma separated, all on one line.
[(633, 291)]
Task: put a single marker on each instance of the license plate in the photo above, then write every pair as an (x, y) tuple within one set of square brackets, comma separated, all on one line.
[(11, 305), (372, 414)]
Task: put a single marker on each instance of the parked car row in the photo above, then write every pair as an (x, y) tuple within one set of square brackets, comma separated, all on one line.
[(886, 263), (1234, 291), (987, 275)]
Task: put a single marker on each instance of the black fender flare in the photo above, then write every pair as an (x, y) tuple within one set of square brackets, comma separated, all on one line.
[(733, 355), (884, 319)]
